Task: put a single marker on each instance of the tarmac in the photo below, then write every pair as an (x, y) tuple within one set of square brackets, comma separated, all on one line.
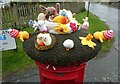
[(102, 69)]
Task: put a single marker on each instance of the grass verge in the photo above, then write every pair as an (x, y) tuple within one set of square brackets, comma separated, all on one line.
[(14, 60), (96, 25)]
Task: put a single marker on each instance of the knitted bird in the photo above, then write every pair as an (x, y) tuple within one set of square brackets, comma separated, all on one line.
[(68, 44), (87, 41), (61, 19), (103, 35), (45, 41)]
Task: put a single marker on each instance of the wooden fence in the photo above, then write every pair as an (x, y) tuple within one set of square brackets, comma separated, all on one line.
[(18, 15)]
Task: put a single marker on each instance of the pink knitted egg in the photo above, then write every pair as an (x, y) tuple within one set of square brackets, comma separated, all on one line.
[(14, 33), (108, 34)]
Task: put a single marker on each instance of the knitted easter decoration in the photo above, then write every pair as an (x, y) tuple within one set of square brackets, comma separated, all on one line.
[(42, 26), (51, 51), (31, 22), (13, 33), (108, 34), (103, 35), (85, 25), (47, 46), (68, 44), (41, 16)]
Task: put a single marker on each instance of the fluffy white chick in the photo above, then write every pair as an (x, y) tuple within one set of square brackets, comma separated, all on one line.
[(68, 44), (45, 38)]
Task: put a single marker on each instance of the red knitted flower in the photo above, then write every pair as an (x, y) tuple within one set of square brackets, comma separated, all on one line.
[(73, 26)]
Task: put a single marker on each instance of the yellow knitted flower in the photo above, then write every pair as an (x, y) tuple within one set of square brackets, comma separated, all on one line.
[(61, 29), (87, 41)]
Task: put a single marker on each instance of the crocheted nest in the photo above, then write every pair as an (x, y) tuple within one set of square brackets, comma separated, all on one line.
[(58, 56), (46, 47)]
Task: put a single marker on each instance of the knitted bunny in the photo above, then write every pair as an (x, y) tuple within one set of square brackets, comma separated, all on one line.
[(51, 12), (85, 25)]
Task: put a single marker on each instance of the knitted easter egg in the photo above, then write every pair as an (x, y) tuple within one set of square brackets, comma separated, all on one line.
[(41, 16), (108, 34), (14, 33)]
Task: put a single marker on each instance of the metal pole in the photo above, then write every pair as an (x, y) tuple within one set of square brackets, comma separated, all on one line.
[(63, 4), (88, 8)]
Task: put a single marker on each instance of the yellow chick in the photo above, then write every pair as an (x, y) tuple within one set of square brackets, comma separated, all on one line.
[(87, 41), (16, 34), (103, 35), (23, 35), (61, 19)]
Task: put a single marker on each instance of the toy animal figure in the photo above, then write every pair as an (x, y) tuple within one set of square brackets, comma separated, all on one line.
[(85, 25), (44, 39), (41, 23), (87, 41), (61, 19), (51, 11), (23, 35), (41, 26), (68, 44), (16, 34), (33, 24), (103, 35)]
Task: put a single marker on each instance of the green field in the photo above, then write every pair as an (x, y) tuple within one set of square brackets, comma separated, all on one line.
[(17, 60)]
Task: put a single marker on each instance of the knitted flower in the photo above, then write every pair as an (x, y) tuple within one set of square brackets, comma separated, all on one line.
[(61, 29), (73, 26)]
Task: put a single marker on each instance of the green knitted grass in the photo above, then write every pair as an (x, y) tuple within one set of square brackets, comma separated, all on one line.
[(58, 56)]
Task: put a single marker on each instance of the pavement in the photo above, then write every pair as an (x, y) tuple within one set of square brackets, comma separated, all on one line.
[(102, 69), (105, 67)]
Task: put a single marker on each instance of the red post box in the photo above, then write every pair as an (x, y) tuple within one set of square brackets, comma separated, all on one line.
[(62, 74)]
